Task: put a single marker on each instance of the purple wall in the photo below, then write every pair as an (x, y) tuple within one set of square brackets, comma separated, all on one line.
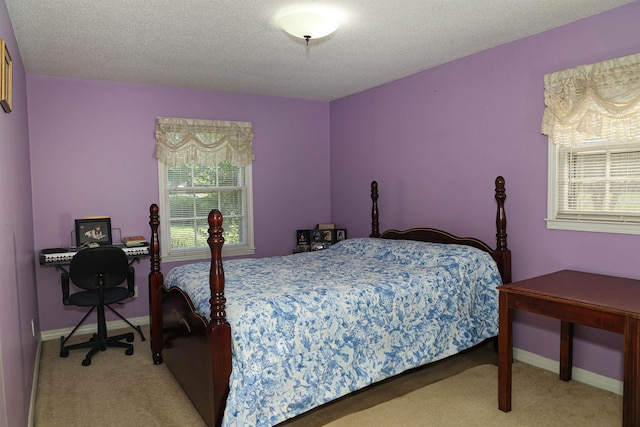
[(18, 295), (92, 153), (436, 140)]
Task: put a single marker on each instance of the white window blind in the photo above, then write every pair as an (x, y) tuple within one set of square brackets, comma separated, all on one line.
[(599, 182)]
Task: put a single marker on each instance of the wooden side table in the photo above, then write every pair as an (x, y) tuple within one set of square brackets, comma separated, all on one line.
[(604, 302)]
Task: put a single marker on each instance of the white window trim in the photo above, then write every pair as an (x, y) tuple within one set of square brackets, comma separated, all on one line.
[(576, 224), (202, 253)]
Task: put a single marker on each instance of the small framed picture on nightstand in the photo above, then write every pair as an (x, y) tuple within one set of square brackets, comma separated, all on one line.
[(303, 241), (318, 246)]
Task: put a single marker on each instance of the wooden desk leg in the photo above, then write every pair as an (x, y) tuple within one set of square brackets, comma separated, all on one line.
[(566, 350), (505, 352), (631, 388)]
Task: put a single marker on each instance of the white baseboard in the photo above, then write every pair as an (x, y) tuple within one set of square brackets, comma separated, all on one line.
[(577, 374), (34, 385), (55, 334)]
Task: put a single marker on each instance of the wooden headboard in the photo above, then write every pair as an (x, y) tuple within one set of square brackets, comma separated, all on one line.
[(501, 254)]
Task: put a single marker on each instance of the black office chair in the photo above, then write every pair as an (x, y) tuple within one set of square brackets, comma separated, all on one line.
[(99, 271)]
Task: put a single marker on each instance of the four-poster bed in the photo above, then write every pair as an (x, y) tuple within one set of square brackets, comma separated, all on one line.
[(398, 321)]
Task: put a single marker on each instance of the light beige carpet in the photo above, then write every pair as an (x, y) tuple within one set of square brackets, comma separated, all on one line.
[(471, 399), (130, 391), (114, 391)]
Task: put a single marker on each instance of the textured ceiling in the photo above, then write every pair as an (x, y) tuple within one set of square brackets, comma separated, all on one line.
[(234, 45)]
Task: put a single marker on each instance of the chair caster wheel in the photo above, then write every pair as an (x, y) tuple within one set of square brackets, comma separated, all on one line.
[(129, 352), (86, 362), (130, 339), (63, 351)]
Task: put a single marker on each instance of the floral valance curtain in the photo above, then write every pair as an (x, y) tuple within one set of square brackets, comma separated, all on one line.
[(600, 100), (204, 142)]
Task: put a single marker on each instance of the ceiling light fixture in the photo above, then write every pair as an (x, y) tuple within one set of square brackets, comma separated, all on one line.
[(309, 22)]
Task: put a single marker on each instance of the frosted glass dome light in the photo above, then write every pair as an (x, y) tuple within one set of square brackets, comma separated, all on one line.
[(309, 24)]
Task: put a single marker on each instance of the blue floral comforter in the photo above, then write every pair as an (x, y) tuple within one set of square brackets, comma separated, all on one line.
[(311, 327)]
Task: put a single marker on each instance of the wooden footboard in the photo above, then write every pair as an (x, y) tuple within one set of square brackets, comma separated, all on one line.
[(186, 349), (198, 351)]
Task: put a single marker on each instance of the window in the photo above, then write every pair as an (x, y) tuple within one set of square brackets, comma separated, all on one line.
[(202, 165), (595, 186), (593, 123)]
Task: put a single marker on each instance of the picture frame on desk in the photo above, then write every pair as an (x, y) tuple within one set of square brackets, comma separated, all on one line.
[(96, 230)]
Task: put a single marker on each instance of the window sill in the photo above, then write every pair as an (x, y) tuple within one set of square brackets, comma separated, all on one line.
[(205, 253), (593, 226)]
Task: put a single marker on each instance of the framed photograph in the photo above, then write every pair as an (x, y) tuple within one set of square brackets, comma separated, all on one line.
[(95, 230), (317, 240), (6, 78), (318, 246), (341, 234), (316, 236), (303, 241), (302, 237), (327, 237)]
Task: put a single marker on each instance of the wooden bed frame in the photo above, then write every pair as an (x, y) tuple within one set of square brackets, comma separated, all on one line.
[(198, 351)]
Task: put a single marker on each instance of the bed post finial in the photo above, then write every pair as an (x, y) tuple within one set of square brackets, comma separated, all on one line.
[(216, 274), (375, 225)]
